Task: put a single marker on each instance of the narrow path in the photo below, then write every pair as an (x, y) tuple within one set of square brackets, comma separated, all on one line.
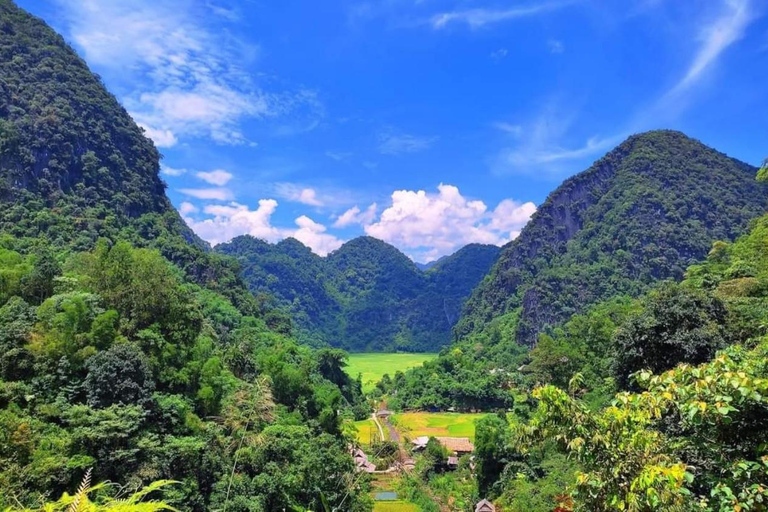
[(378, 425), (394, 435)]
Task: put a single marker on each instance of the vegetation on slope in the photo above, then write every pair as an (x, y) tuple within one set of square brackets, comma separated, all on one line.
[(125, 346), (365, 296), (639, 216), (686, 437)]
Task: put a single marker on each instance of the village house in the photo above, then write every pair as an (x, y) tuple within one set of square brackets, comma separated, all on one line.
[(485, 506)]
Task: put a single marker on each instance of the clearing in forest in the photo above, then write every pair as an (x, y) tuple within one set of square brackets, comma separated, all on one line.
[(437, 424), (373, 365)]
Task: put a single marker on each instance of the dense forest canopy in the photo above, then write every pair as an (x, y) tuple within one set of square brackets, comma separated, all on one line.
[(620, 343), (366, 295), (130, 352)]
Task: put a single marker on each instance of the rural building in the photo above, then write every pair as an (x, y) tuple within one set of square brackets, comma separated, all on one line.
[(457, 446), (361, 460), (485, 506)]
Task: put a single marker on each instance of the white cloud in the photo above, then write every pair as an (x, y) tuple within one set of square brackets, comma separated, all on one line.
[(218, 177), (299, 194), (224, 222), (512, 129), (355, 216), (329, 197), (184, 69), (715, 38), (338, 155), (218, 194), (499, 54), (396, 144), (186, 208), (161, 138), (234, 219), (313, 235), (536, 147), (478, 18), (170, 171), (433, 225), (555, 46)]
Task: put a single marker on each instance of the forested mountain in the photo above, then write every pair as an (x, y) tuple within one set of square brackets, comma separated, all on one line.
[(74, 166), (366, 295), (640, 214), (126, 346)]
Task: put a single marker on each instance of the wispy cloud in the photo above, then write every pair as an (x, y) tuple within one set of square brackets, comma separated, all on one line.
[(397, 144), (356, 216), (537, 147), (480, 17), (555, 46), (715, 38), (171, 171), (218, 194), (323, 197), (499, 54), (338, 155), (184, 72)]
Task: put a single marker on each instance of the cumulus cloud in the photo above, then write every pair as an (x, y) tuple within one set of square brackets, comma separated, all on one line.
[(433, 225), (222, 223), (313, 235), (218, 194), (355, 216), (228, 221), (218, 177)]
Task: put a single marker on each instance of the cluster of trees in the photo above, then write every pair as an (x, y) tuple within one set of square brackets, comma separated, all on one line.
[(365, 296), (666, 410), (111, 360)]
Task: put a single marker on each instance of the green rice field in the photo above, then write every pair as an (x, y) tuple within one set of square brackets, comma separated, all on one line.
[(438, 424), (373, 366)]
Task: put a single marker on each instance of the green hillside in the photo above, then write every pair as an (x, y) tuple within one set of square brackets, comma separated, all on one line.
[(365, 296)]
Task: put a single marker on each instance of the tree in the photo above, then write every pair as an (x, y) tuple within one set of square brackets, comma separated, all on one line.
[(120, 375), (677, 324)]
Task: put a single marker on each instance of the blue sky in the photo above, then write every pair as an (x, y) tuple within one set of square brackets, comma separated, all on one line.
[(427, 123)]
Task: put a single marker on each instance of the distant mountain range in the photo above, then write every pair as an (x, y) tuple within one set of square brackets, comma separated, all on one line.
[(367, 295)]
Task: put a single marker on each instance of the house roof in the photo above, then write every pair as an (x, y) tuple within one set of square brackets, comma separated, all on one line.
[(453, 461), (485, 506)]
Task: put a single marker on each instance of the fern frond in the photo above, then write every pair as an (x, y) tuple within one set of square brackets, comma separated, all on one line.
[(81, 496)]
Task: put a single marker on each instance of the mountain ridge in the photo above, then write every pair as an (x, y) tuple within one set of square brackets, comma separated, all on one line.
[(366, 295)]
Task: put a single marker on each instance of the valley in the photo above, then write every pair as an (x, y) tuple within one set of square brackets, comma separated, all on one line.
[(170, 340)]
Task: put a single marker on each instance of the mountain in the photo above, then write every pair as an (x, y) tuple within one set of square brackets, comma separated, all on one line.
[(129, 352), (366, 295), (75, 167), (641, 214)]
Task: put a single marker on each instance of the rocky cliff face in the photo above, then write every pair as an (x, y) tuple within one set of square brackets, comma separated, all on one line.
[(640, 214)]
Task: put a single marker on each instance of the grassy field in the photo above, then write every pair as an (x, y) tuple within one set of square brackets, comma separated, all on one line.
[(373, 366), (439, 424), (365, 430)]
